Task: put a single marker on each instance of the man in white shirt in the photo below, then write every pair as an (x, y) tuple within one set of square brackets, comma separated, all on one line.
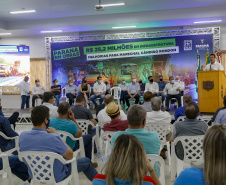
[(102, 115), (177, 79), (160, 117), (152, 86), (37, 91), (172, 90), (48, 100), (71, 91), (25, 92), (213, 66), (124, 92), (99, 90), (133, 90)]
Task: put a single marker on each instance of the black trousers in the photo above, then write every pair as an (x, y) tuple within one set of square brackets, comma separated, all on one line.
[(12, 119), (34, 97), (127, 97)]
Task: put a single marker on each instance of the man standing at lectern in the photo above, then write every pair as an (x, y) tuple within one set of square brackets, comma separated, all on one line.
[(213, 65)]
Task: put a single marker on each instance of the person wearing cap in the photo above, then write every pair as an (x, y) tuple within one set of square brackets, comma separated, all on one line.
[(124, 92), (113, 111)]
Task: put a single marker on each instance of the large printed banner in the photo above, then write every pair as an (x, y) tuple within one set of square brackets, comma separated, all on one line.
[(14, 64), (114, 59)]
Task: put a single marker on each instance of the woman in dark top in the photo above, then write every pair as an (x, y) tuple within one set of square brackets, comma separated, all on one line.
[(85, 89)]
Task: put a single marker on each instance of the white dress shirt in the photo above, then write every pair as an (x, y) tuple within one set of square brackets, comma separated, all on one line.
[(123, 87), (158, 117), (52, 110), (104, 118), (182, 85), (99, 88), (172, 88), (71, 89), (133, 88), (38, 89), (216, 66), (154, 87), (24, 88)]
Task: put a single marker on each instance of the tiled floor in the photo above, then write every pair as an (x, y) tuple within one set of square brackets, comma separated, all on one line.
[(82, 178)]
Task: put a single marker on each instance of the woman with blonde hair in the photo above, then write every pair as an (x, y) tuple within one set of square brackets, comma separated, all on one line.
[(85, 89), (127, 165), (214, 168)]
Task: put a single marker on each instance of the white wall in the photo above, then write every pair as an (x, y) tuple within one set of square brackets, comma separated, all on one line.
[(37, 43)]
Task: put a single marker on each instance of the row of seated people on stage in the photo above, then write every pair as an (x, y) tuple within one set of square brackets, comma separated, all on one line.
[(132, 90), (131, 138)]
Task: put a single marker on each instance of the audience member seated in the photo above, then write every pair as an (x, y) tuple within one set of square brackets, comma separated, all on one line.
[(37, 91), (56, 89), (46, 139), (128, 164), (103, 116), (189, 127), (18, 168), (136, 121), (158, 116), (124, 92), (172, 90), (180, 110), (6, 129), (71, 91), (12, 119), (133, 92), (142, 87), (162, 85), (25, 92), (99, 90), (113, 111), (84, 88), (218, 110), (63, 123), (48, 100), (147, 101), (152, 86), (108, 87), (213, 169)]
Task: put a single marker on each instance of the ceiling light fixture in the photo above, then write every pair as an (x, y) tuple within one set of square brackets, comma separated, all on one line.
[(207, 21), (5, 33), (24, 11), (116, 4), (53, 31), (124, 27)]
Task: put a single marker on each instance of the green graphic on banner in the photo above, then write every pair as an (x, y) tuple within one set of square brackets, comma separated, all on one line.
[(130, 46), (66, 53)]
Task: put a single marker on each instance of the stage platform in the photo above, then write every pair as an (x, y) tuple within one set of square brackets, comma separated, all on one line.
[(25, 114)]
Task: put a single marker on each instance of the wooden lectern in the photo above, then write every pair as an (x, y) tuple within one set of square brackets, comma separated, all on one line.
[(211, 90)]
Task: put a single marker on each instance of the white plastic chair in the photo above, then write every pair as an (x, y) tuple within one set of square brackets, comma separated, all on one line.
[(38, 101), (117, 93), (6, 170), (182, 118), (9, 152), (63, 94), (161, 129), (84, 124), (161, 164), (106, 138), (41, 166), (193, 153), (81, 149)]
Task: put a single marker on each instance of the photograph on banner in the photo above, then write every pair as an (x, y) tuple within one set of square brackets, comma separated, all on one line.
[(116, 59), (14, 64)]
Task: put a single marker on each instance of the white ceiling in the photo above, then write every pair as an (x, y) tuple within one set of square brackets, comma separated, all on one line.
[(80, 16)]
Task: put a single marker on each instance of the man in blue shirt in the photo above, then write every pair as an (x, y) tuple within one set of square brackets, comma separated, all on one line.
[(221, 117), (56, 89), (45, 138), (133, 90), (187, 98), (162, 85), (136, 121)]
